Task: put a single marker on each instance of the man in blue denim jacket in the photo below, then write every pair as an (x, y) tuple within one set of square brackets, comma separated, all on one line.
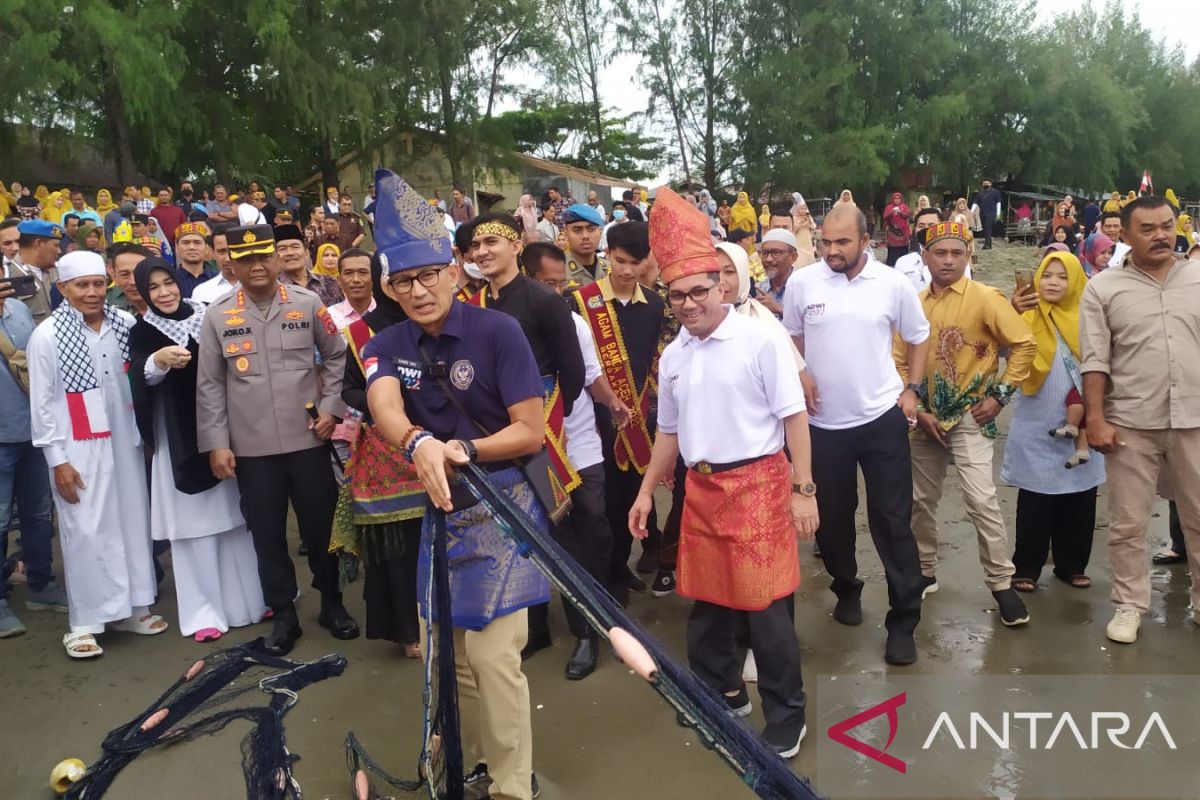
[(23, 479)]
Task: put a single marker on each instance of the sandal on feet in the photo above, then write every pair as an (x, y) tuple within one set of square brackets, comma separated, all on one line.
[(1168, 557), (81, 645), (148, 625), (1079, 581), (412, 651), (1024, 585), (207, 635)]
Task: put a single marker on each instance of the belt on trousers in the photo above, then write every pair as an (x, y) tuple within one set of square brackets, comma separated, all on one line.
[(709, 468)]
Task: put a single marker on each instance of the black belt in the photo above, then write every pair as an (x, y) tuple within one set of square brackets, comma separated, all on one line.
[(709, 468)]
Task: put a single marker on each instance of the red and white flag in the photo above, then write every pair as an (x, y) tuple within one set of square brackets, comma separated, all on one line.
[(1147, 183)]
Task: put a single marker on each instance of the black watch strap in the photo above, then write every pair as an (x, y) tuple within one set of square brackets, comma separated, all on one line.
[(470, 449)]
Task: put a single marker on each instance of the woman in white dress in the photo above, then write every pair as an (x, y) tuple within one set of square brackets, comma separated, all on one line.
[(216, 569)]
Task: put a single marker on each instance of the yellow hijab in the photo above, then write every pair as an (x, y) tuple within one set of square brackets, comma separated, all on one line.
[(104, 203), (1171, 198), (1113, 203), (741, 216), (52, 211), (1180, 221), (319, 267), (764, 218), (1063, 316)]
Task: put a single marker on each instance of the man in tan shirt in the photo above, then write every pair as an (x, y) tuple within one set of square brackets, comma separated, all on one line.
[(1140, 340), (256, 372)]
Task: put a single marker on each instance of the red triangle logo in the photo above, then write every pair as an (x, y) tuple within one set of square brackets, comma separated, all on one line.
[(839, 733)]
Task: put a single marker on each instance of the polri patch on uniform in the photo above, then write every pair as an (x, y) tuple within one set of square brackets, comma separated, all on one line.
[(235, 320), (242, 364), (233, 348), (294, 315), (462, 374)]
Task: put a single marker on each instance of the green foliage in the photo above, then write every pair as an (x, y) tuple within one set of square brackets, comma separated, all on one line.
[(775, 94)]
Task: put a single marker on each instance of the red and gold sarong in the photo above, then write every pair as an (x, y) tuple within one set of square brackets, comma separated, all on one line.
[(737, 543)]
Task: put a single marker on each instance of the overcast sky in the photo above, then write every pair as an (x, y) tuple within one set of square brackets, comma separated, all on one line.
[(1178, 21)]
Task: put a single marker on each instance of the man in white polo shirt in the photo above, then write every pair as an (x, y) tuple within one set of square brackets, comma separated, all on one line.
[(737, 546), (842, 313)]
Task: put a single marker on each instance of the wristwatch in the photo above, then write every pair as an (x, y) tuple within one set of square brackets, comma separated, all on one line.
[(805, 489), (915, 388), (469, 448)]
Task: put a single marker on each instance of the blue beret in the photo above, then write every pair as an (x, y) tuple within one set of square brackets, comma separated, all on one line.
[(40, 227), (407, 234), (581, 212)]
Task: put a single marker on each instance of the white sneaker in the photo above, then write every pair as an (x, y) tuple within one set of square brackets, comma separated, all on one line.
[(1123, 627), (750, 668)]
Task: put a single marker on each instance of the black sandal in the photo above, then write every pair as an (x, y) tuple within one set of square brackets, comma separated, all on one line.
[(1168, 557)]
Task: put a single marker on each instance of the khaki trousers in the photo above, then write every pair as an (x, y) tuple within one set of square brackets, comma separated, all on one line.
[(1134, 472), (972, 452), (493, 702)]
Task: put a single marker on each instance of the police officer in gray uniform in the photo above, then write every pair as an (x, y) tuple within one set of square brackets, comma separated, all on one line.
[(257, 371)]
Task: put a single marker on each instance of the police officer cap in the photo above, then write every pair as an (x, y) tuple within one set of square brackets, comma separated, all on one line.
[(40, 228), (249, 240), (581, 212)]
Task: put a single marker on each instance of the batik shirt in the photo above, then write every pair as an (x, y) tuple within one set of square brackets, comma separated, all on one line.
[(969, 325)]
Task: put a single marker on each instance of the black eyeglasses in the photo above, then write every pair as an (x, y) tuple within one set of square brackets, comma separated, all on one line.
[(698, 295), (403, 284)]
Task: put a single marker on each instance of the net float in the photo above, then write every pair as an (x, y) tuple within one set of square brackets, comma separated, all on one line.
[(66, 772), (631, 651), (154, 719), (194, 670)]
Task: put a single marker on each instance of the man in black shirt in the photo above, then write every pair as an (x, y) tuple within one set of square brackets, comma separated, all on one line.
[(989, 208), (626, 322), (546, 322)]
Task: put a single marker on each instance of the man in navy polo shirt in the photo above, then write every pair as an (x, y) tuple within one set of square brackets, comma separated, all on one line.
[(483, 357)]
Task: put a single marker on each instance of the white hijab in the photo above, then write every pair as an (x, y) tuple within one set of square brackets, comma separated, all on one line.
[(748, 306)]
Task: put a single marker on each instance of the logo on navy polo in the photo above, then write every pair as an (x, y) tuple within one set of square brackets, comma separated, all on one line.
[(462, 374), (409, 373)]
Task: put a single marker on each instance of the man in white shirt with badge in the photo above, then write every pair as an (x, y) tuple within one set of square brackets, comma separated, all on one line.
[(842, 314)]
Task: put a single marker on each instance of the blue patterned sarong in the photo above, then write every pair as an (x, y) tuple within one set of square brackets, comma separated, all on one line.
[(488, 578)]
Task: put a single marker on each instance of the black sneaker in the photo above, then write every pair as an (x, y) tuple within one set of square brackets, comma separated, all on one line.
[(929, 585), (739, 704), (476, 783), (664, 583), (1012, 607), (901, 650), (784, 739), (848, 610), (537, 789)]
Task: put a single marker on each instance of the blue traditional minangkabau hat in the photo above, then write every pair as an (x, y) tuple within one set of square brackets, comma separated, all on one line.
[(407, 233)]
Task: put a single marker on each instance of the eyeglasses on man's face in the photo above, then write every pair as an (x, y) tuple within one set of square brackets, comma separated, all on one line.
[(697, 294), (428, 278)]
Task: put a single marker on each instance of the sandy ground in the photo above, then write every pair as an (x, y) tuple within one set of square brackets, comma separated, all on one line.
[(605, 737)]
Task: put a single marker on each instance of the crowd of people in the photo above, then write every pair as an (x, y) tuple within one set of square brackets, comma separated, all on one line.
[(186, 387)]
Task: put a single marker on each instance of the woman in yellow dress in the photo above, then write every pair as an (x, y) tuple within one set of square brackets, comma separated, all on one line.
[(741, 216)]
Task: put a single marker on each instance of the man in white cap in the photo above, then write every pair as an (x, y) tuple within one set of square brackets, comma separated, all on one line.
[(83, 422), (778, 252)]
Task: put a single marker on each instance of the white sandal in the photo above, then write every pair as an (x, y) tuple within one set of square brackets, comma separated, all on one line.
[(74, 642), (143, 626)]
